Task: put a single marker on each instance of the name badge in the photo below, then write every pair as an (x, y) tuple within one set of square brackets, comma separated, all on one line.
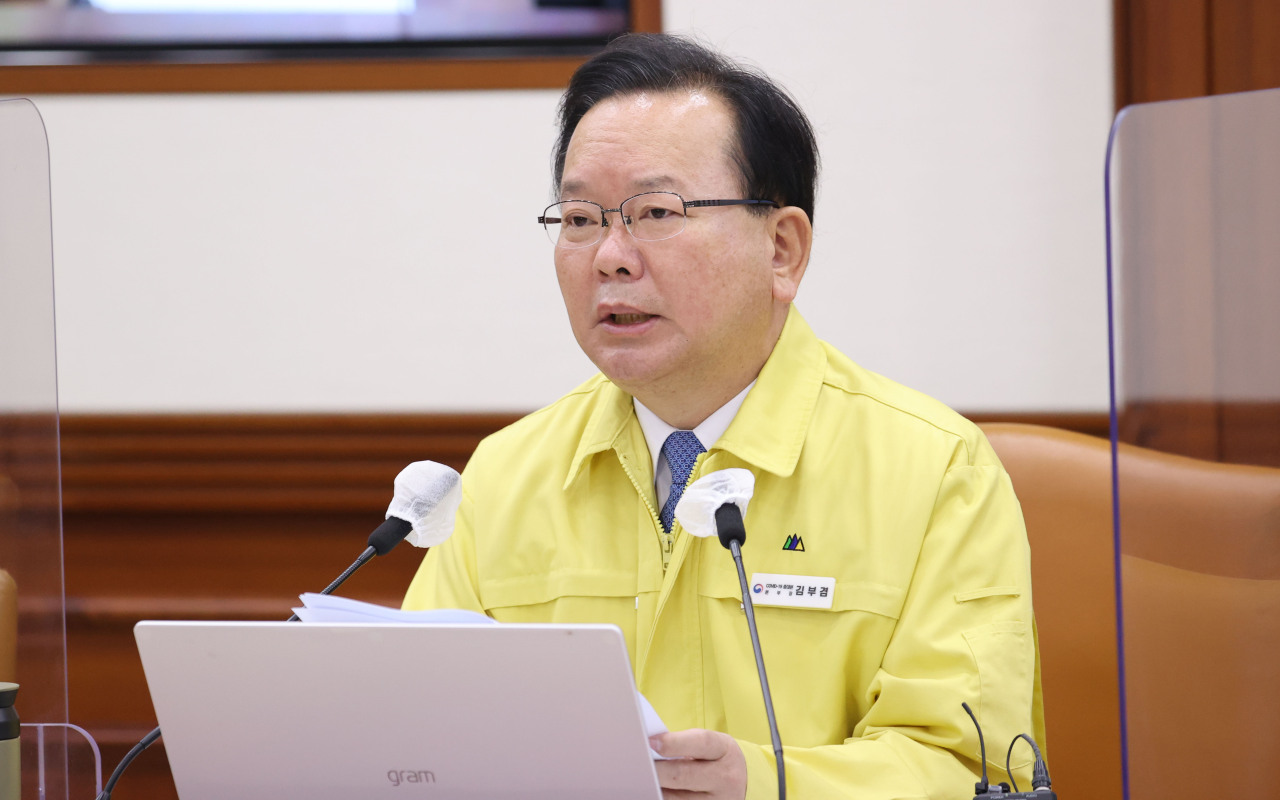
[(792, 591)]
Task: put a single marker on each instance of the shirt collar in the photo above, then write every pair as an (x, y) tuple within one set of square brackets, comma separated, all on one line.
[(709, 432)]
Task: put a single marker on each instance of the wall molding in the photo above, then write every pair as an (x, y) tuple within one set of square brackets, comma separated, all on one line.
[(221, 463), (233, 463)]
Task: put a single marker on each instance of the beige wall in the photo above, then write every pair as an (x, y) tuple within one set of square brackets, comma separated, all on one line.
[(379, 251)]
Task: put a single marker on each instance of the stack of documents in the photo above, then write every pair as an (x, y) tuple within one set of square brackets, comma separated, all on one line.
[(330, 608)]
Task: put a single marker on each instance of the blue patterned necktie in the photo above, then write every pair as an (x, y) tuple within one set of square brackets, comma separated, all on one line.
[(681, 449)]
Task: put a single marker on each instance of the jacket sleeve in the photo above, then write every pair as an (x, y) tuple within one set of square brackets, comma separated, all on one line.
[(447, 576), (966, 634)]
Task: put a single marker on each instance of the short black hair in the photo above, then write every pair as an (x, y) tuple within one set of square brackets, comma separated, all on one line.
[(777, 152)]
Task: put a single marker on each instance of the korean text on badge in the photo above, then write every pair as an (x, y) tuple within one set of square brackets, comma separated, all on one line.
[(792, 591)]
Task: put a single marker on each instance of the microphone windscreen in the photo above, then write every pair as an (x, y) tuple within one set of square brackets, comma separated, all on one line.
[(426, 496), (697, 507)]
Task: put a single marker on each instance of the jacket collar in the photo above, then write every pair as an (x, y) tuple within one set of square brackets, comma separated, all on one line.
[(769, 429), (607, 427)]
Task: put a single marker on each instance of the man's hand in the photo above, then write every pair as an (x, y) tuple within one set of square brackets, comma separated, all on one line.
[(706, 765)]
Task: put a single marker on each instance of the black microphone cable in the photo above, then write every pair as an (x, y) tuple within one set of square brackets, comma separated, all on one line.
[(1039, 773), (1042, 787)]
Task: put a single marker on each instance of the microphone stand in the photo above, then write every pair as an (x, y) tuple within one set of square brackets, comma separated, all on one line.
[(732, 533), (749, 608)]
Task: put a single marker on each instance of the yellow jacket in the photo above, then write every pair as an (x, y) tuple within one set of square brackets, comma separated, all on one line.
[(899, 499)]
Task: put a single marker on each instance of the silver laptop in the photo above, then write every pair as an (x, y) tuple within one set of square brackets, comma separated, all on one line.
[(272, 711)]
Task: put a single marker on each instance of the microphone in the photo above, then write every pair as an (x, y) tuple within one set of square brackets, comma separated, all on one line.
[(422, 509), (716, 504), (423, 505), (983, 787), (729, 527)]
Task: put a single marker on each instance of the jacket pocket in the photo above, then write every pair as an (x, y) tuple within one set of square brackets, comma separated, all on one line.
[(1005, 658), (565, 597), (537, 589)]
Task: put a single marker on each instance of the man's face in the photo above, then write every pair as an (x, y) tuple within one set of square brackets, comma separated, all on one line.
[(686, 318)]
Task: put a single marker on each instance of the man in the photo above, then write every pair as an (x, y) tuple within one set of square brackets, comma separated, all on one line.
[(683, 230)]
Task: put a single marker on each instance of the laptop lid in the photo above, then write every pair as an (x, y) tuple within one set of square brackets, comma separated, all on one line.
[(272, 710)]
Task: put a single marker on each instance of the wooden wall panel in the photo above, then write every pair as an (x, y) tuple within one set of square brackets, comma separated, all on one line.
[(1173, 49), (1161, 50), (230, 462), (1245, 43), (221, 517), (1234, 433)]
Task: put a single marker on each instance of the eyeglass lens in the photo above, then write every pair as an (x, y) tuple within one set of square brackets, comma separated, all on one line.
[(580, 223)]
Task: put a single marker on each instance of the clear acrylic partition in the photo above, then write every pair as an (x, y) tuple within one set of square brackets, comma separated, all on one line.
[(1193, 215), (57, 759)]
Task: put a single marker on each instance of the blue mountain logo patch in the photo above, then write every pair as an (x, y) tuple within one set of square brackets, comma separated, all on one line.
[(794, 542)]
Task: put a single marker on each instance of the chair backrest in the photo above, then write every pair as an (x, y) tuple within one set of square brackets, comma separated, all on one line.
[(1063, 481), (1200, 570)]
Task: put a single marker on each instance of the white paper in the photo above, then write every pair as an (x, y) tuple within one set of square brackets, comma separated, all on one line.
[(329, 608), (653, 723)]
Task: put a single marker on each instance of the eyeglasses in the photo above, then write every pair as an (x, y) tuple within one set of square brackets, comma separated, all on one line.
[(648, 216)]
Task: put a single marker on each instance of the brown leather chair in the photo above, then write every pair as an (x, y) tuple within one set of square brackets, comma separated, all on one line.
[(1201, 576), (1063, 481)]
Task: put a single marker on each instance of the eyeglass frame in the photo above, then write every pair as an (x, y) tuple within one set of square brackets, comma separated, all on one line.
[(604, 215)]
